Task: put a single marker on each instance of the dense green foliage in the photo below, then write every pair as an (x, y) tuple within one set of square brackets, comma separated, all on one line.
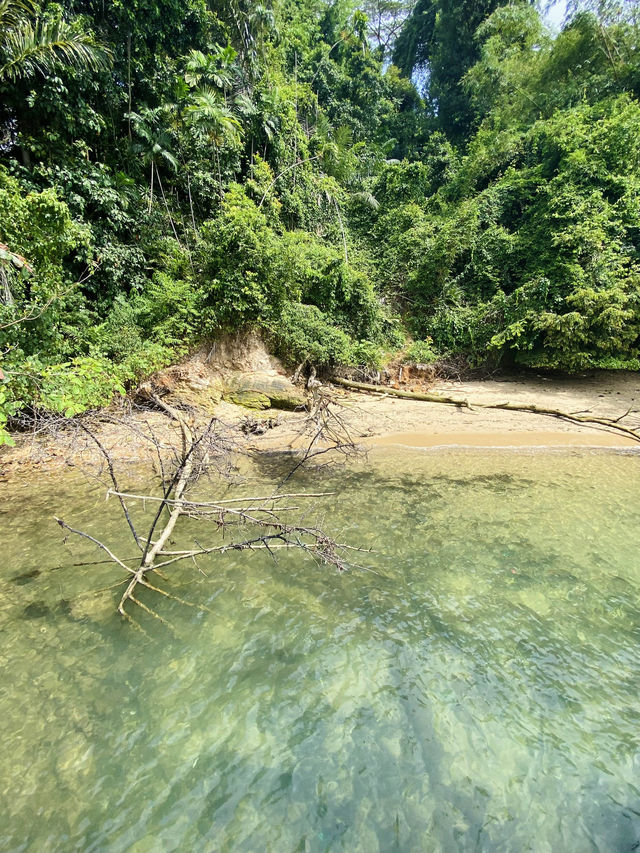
[(170, 170), (529, 249), (439, 39)]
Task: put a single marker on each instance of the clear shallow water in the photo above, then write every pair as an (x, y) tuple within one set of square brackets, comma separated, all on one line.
[(479, 693)]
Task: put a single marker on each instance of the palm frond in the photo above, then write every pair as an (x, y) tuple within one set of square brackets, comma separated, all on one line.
[(30, 49), (343, 137), (15, 12), (209, 117), (244, 105), (367, 199), (206, 99), (168, 156)]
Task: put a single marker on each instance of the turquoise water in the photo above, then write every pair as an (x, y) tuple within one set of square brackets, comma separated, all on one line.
[(479, 691)]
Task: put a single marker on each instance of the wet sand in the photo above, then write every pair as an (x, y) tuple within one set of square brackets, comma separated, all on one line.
[(501, 439), (278, 441)]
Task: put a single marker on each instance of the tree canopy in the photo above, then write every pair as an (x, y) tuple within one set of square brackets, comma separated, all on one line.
[(343, 176)]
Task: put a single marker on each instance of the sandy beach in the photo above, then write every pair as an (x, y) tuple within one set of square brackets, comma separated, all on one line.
[(390, 420), (380, 419)]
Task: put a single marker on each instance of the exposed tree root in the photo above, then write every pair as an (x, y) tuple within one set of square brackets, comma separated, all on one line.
[(611, 424)]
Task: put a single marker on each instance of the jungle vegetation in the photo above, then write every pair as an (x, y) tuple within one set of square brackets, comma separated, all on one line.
[(348, 177)]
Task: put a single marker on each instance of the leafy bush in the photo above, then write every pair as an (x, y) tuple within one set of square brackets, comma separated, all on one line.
[(303, 333), (7, 410), (542, 263), (67, 388), (421, 352)]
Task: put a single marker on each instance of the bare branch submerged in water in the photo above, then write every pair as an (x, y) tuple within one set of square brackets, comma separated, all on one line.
[(326, 430), (264, 515)]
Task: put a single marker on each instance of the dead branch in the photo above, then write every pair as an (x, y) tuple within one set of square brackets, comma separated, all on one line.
[(97, 542), (612, 424), (325, 429), (114, 480), (264, 516)]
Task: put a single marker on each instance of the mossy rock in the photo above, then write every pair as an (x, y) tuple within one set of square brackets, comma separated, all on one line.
[(206, 398), (287, 401), (248, 398), (262, 391)]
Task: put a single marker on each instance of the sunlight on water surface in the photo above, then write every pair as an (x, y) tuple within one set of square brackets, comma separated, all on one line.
[(478, 692)]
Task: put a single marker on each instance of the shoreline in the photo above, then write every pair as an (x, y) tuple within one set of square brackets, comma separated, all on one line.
[(381, 420), (503, 441), (385, 420)]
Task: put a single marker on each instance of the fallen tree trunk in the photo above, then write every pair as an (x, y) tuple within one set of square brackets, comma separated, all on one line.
[(612, 424), (425, 396)]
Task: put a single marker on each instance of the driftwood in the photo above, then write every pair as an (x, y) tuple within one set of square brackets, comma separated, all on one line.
[(611, 424), (264, 515)]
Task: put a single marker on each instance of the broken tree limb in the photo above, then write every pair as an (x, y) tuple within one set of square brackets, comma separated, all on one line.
[(612, 424), (177, 486), (95, 541), (424, 396), (259, 522)]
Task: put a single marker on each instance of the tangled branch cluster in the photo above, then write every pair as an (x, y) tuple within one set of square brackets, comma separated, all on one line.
[(264, 515)]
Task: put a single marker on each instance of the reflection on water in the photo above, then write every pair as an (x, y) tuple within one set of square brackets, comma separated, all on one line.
[(478, 692)]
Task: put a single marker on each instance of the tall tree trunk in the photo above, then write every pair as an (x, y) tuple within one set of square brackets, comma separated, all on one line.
[(129, 82), (219, 173), (151, 187), (193, 219)]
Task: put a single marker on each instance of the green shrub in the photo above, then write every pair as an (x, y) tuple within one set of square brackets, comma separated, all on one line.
[(71, 387), (421, 352), (7, 409), (303, 333)]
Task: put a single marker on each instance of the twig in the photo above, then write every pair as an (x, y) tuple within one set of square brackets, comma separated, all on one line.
[(97, 542), (114, 480)]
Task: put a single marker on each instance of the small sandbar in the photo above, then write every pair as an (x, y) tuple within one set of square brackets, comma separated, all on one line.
[(502, 439)]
